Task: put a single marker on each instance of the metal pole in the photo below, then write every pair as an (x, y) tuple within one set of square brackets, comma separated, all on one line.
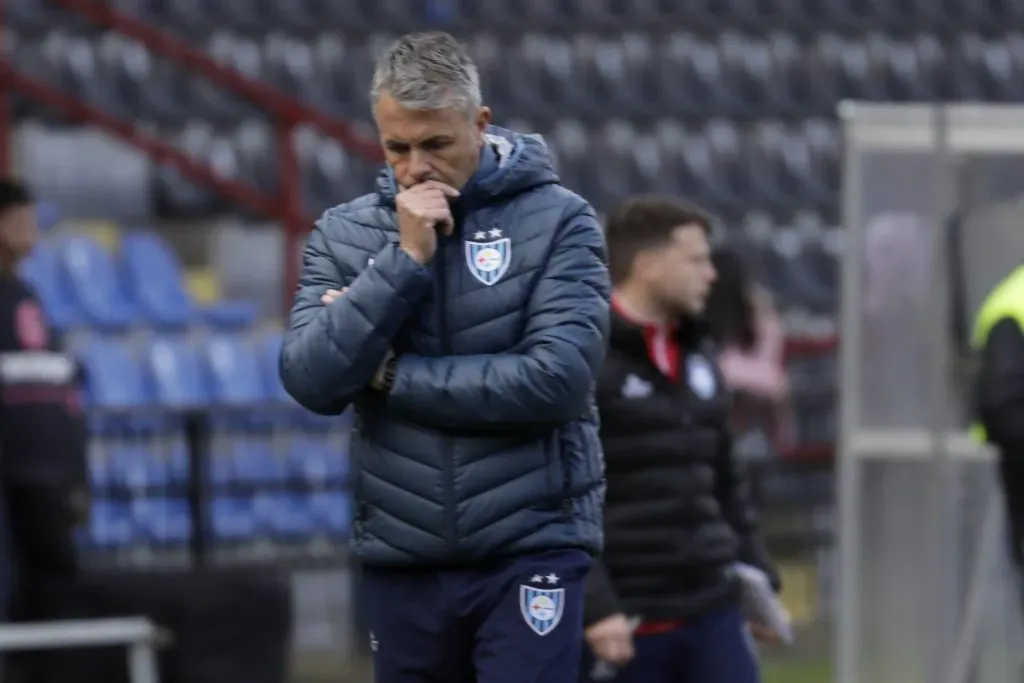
[(988, 548), (939, 613), (142, 664), (197, 439), (848, 484), (292, 210)]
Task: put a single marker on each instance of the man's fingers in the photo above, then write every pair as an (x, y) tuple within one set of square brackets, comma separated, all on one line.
[(617, 651), (446, 190), (332, 294), (620, 652), (763, 633)]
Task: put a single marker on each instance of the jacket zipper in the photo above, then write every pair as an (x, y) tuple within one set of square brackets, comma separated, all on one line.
[(448, 457)]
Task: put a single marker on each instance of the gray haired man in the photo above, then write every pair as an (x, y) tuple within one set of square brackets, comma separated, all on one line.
[(462, 309)]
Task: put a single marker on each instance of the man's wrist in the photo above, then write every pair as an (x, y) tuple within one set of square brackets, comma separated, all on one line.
[(385, 376)]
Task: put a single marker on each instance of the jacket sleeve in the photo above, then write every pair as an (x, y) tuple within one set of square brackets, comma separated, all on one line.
[(331, 353), (732, 488), (549, 375), (999, 387), (600, 599)]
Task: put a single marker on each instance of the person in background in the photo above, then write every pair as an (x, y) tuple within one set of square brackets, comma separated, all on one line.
[(663, 603), (42, 430), (748, 334), (998, 339)]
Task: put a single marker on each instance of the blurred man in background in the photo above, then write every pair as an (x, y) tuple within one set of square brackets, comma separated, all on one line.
[(663, 604), (462, 309), (42, 432), (998, 337)]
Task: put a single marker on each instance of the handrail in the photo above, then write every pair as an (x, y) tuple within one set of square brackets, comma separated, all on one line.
[(280, 105), (286, 113), (126, 130)]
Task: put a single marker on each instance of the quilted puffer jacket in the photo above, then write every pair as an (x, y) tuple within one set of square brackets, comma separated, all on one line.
[(487, 444)]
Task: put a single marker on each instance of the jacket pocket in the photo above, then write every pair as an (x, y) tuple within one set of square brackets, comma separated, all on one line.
[(569, 445), (551, 498)]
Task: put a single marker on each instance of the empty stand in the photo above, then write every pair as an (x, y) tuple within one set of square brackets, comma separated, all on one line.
[(161, 372)]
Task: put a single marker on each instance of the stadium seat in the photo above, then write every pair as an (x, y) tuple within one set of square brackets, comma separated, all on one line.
[(232, 519), (111, 525), (318, 461), (42, 270), (155, 282), (162, 521), (113, 376), (173, 367), (233, 366), (332, 513), (95, 284), (283, 517)]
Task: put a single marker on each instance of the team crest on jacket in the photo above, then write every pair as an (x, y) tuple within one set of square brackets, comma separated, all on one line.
[(542, 608), (701, 377), (489, 261)]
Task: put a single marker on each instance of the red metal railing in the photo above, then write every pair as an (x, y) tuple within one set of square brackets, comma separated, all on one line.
[(286, 113), (808, 347)]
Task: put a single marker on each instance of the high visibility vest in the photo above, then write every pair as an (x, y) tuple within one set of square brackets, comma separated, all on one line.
[(1005, 301)]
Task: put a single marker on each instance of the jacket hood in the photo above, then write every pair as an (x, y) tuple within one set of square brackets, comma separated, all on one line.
[(521, 163)]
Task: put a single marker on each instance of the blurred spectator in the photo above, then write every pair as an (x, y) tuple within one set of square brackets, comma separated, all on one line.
[(751, 341), (999, 340), (662, 604), (42, 433), (746, 328)]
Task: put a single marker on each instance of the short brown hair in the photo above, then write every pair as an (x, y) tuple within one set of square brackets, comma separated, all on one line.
[(647, 222)]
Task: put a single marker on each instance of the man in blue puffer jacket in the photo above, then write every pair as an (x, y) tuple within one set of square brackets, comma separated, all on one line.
[(462, 310)]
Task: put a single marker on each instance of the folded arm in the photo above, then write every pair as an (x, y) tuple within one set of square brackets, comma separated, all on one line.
[(732, 488), (550, 374), (331, 353)]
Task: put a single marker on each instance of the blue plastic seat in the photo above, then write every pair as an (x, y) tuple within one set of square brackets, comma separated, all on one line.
[(316, 461), (114, 377), (270, 359), (332, 513), (255, 462), (95, 284), (232, 519), (154, 280), (42, 270), (111, 525), (163, 521), (283, 517), (135, 466), (234, 371), (176, 374), (156, 285)]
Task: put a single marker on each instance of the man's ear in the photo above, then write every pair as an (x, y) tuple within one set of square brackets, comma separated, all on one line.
[(483, 119)]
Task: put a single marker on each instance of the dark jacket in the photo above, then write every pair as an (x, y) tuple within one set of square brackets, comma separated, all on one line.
[(676, 511), (43, 434), (999, 394), (487, 443)]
